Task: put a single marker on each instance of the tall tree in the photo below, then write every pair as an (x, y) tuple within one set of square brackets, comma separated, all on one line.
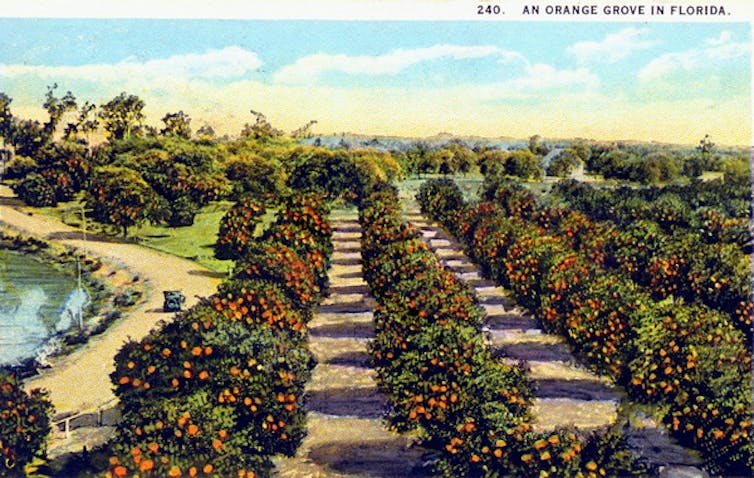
[(206, 131), (85, 124), (122, 115), (56, 108), (6, 117), (177, 124), (261, 129)]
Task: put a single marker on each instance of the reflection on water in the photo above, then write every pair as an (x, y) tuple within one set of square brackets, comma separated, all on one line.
[(36, 302)]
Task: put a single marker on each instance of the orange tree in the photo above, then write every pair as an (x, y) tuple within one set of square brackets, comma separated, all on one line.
[(121, 197), (301, 224), (279, 263), (24, 425), (695, 360), (613, 323), (441, 379), (237, 228), (219, 390), (210, 391)]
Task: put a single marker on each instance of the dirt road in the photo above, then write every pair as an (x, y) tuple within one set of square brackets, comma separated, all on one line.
[(80, 381)]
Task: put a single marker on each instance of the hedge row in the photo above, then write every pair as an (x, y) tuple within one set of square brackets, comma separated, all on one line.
[(678, 241), (690, 358), (218, 391), (440, 378)]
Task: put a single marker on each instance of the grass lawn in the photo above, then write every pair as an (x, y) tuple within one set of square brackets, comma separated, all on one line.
[(193, 242), (470, 184)]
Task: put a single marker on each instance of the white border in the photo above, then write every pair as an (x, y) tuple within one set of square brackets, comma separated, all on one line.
[(511, 10)]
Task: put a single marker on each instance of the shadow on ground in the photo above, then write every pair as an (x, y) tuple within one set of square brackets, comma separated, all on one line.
[(212, 274), (359, 307), (350, 359), (360, 402), (574, 389), (378, 459), (355, 330)]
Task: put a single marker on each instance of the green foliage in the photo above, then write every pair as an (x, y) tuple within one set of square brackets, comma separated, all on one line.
[(597, 289), (374, 167), (19, 166), (253, 175), (35, 191), (323, 171), (121, 197), (693, 359), (122, 115), (436, 371), (301, 225), (237, 229), (219, 390), (440, 195), (524, 164), (177, 124), (184, 178), (564, 163), (213, 388), (277, 262), (24, 425)]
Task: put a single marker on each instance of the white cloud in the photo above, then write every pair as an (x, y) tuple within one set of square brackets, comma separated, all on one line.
[(612, 48), (308, 68), (538, 81), (540, 76), (717, 50), (230, 62), (725, 37)]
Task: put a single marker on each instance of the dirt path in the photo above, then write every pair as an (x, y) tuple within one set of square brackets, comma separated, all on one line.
[(80, 382), (566, 393), (347, 437)]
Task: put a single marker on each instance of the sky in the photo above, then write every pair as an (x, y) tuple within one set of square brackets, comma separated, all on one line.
[(665, 82)]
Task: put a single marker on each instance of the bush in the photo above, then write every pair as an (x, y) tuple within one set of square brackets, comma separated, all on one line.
[(221, 387), (237, 228), (527, 260), (278, 263), (440, 196), (35, 191), (219, 390), (694, 360), (440, 378), (24, 425)]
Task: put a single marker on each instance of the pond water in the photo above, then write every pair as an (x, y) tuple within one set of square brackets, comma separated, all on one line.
[(36, 302)]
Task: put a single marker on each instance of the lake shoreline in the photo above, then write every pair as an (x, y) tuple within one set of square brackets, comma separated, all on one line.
[(111, 289)]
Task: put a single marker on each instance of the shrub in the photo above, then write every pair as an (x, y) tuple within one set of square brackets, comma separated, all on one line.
[(24, 425), (441, 196), (694, 360), (213, 389), (237, 228), (275, 262), (34, 190)]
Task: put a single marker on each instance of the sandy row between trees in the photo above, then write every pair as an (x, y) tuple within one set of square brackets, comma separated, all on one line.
[(80, 381)]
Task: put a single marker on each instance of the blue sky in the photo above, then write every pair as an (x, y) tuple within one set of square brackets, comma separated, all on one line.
[(670, 82)]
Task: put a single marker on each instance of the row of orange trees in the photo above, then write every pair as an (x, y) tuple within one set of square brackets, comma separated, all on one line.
[(574, 274), (440, 378), (218, 391)]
